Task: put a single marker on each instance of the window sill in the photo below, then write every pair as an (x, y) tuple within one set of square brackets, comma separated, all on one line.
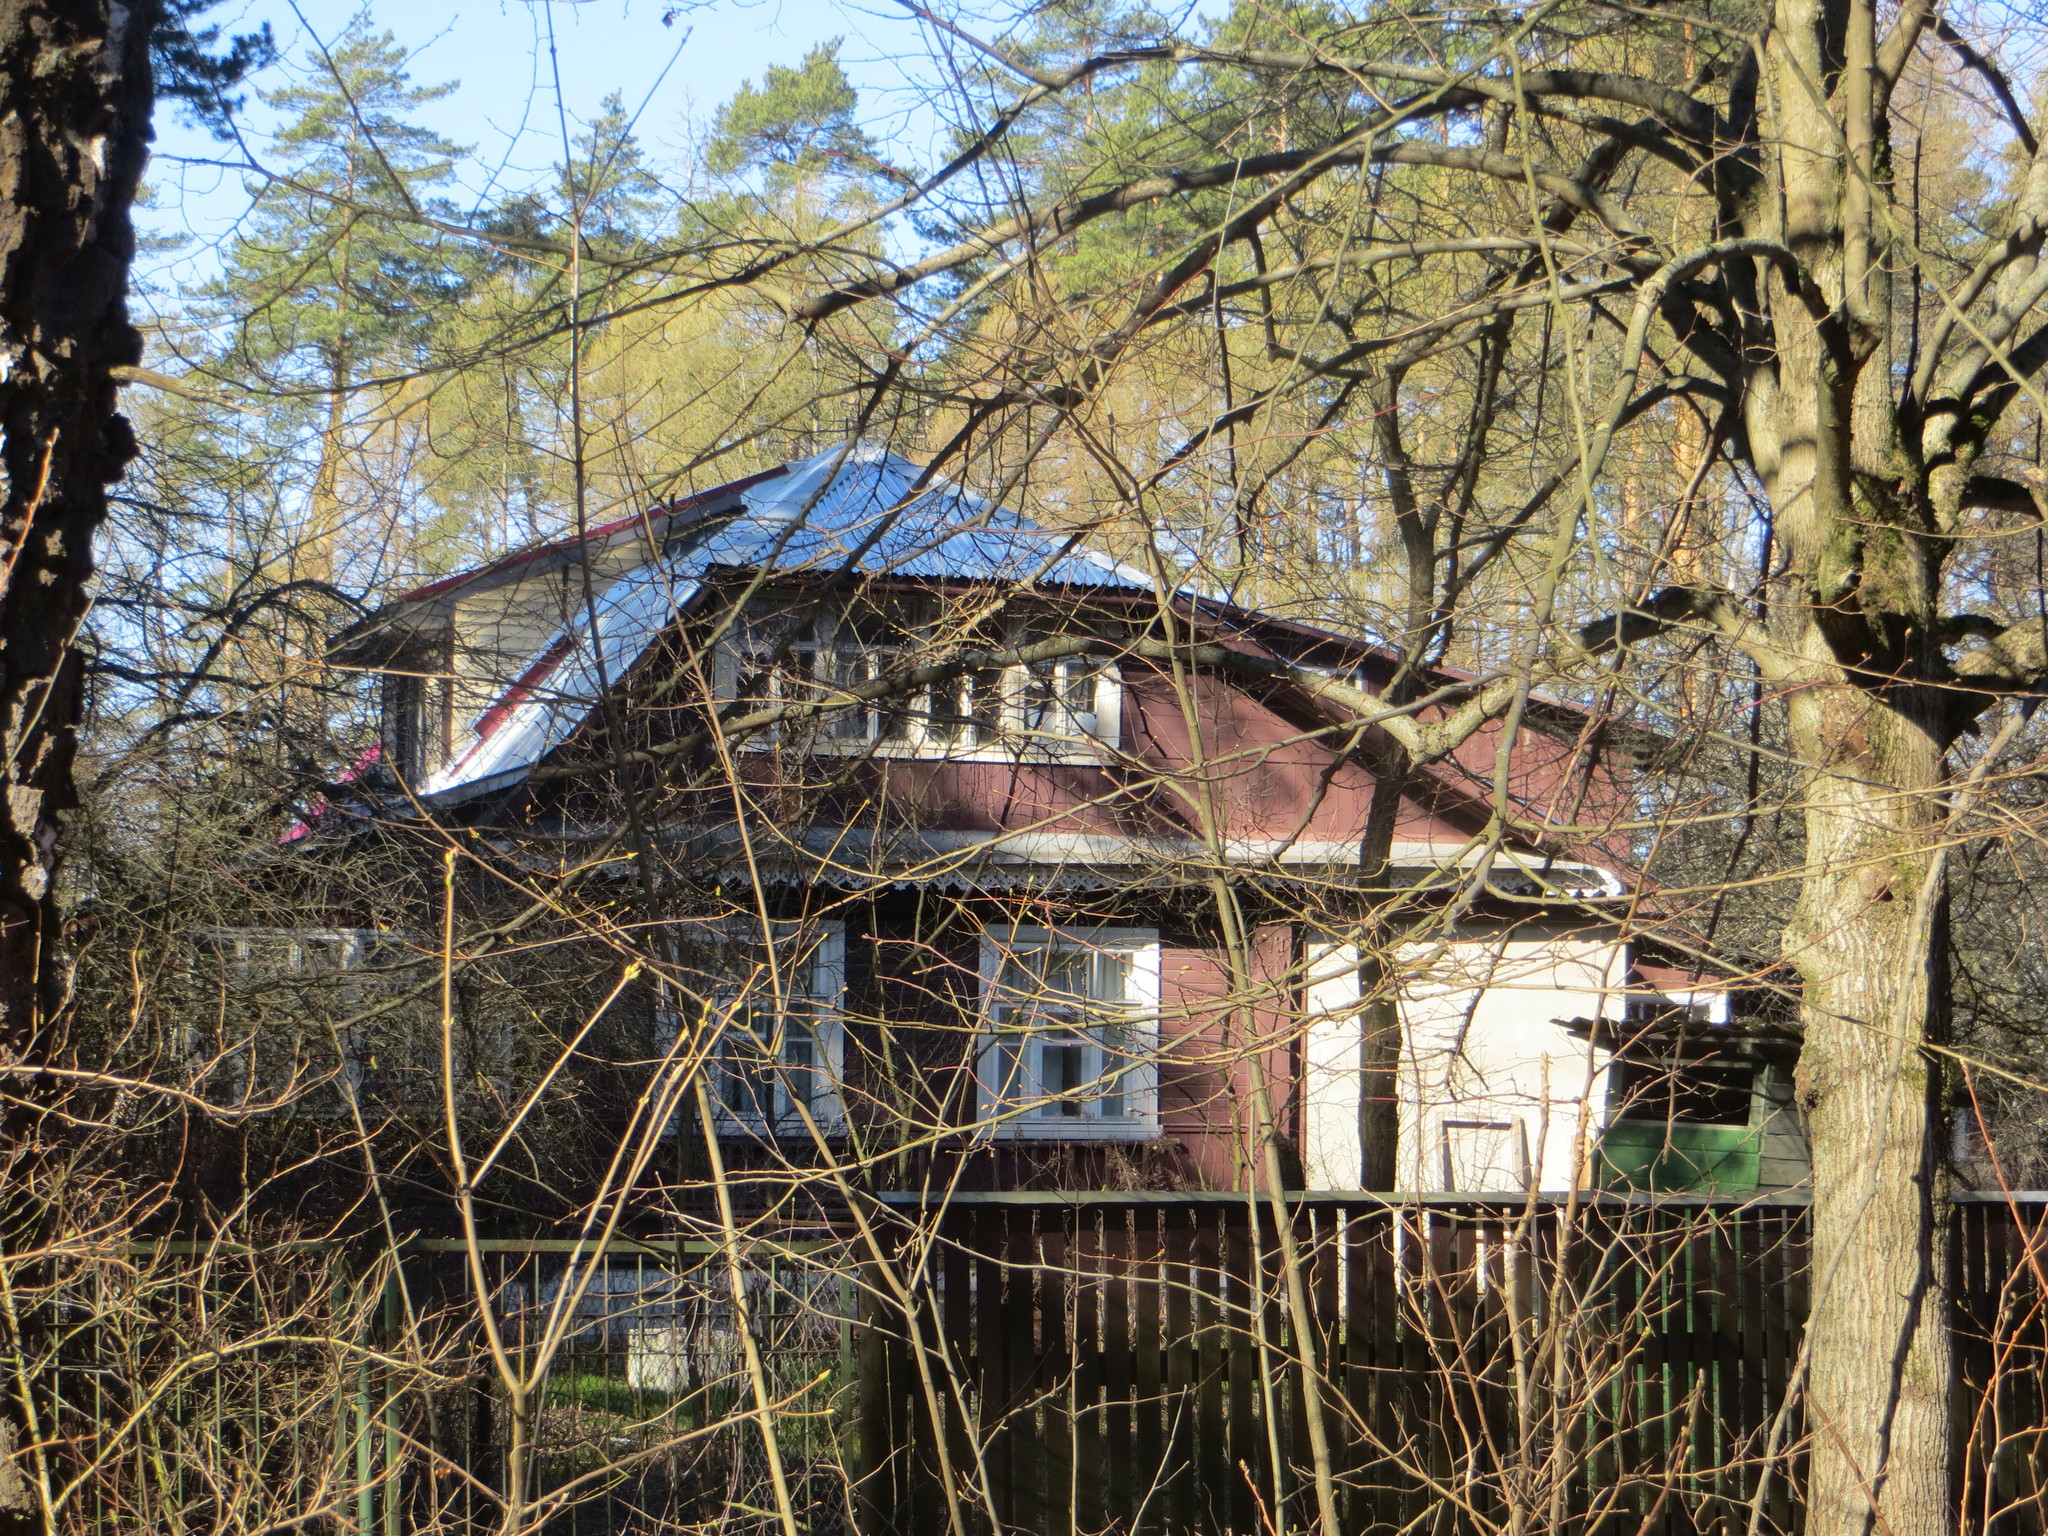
[(744, 1130), (1087, 753), (1089, 1131)]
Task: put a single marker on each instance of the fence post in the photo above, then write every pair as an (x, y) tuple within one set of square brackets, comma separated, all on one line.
[(391, 1491), (876, 1466), (365, 1485)]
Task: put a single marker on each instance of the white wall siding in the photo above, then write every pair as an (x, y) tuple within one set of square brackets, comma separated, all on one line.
[(1495, 1088), (1332, 1067)]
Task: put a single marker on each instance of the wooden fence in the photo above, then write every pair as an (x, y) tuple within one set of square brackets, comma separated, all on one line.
[(1130, 1363), (351, 1390), (1045, 1366)]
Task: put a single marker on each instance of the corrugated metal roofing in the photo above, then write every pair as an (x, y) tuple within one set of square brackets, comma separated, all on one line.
[(852, 507), (859, 505)]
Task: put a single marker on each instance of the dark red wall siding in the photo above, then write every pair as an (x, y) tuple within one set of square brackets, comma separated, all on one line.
[(1256, 766)]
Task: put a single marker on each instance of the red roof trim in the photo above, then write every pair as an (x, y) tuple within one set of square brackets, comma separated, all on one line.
[(522, 690), (540, 551)]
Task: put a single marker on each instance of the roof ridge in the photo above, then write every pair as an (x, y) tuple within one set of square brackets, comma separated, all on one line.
[(666, 512)]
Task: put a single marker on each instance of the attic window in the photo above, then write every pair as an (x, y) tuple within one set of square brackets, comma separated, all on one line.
[(1064, 708), (964, 711), (419, 709), (799, 660), (1065, 700)]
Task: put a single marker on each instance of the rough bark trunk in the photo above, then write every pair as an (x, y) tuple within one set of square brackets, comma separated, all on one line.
[(1861, 672), (75, 98), (1379, 1037), (75, 80), (1865, 941)]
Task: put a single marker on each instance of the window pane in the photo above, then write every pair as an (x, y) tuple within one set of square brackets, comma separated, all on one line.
[(1116, 1061), (946, 716), (1040, 698), (766, 678), (800, 677), (1063, 1073), (1007, 1088), (745, 1086), (1067, 975), (849, 669), (1063, 698), (325, 956), (985, 703), (1079, 687), (733, 1089), (1111, 979), (800, 1062), (965, 710), (751, 688)]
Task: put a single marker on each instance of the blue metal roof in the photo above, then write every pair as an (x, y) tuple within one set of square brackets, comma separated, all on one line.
[(859, 505), (851, 506)]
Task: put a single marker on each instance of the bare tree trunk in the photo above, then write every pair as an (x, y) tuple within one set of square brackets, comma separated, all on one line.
[(1865, 942), (1379, 1033), (1862, 670), (75, 80)]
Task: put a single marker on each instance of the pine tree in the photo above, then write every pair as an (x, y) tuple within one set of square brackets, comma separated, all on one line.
[(339, 281)]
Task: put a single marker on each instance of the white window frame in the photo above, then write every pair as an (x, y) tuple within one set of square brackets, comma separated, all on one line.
[(817, 1019), (351, 947), (909, 726), (1067, 729), (241, 949), (1012, 1099), (1513, 1134)]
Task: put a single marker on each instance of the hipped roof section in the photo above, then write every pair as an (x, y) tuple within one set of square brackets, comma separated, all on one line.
[(853, 510)]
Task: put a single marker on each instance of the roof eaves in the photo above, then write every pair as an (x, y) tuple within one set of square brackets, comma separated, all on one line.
[(662, 517), (393, 614)]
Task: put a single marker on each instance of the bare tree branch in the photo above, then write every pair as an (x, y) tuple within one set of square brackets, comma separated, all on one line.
[(1677, 607)]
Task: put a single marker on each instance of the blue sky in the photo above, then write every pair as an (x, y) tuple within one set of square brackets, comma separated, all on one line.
[(505, 103)]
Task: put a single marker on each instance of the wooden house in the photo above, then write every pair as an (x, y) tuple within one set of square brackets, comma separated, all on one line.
[(1064, 870)]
